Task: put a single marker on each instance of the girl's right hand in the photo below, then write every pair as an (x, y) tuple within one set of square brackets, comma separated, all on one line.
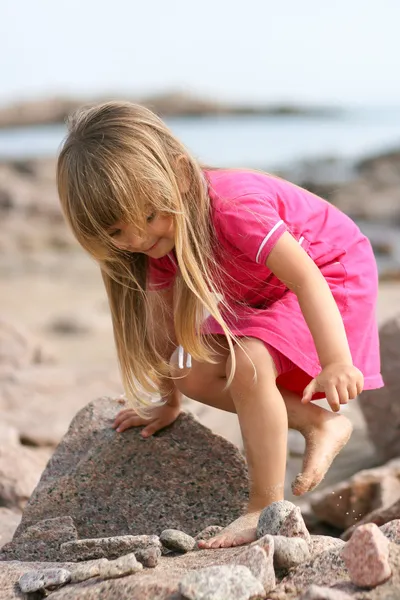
[(161, 416)]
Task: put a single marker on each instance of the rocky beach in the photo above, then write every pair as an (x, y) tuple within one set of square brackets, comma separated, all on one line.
[(87, 513)]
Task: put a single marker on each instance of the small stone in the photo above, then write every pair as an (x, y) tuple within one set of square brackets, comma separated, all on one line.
[(260, 563), (266, 542), (42, 579), (316, 592), (208, 532), (176, 540), (294, 526), (289, 552), (125, 565), (220, 583), (86, 570), (149, 557), (366, 556), (272, 518), (392, 530), (111, 547), (58, 529)]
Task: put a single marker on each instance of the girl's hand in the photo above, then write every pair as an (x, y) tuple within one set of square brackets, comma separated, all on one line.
[(161, 416), (340, 382)]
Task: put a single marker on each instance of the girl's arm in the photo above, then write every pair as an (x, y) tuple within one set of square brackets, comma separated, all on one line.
[(339, 379)]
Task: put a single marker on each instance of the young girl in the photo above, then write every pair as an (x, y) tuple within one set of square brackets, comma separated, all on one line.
[(235, 288)]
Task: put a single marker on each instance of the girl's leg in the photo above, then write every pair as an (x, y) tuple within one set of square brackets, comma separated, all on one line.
[(263, 419)]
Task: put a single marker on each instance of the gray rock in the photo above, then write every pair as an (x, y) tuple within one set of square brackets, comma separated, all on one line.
[(260, 563), (59, 529), (392, 530), (115, 484), (294, 526), (111, 547), (125, 565), (322, 543), (176, 540), (86, 570), (208, 532), (32, 581), (290, 552), (381, 408), (221, 583), (149, 557), (316, 592), (272, 518)]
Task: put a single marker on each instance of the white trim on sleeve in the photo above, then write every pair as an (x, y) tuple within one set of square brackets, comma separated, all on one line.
[(267, 237)]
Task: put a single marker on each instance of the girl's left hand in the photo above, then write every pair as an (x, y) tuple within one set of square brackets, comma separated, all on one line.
[(340, 382)]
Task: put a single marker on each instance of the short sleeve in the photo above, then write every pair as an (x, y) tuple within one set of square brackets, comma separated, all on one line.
[(161, 273), (252, 224)]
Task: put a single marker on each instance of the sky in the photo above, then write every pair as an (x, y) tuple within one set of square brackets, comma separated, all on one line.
[(342, 52)]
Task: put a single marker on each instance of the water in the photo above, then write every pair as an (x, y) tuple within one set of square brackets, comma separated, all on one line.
[(267, 142)]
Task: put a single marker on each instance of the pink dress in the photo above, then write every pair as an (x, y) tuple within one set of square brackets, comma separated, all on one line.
[(250, 211)]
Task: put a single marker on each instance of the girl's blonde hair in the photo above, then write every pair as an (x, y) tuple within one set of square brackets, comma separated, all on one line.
[(118, 161)]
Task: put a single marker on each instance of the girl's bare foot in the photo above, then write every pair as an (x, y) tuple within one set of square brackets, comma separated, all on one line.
[(323, 442), (240, 532)]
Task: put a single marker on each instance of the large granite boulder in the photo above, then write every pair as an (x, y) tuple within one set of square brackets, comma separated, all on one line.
[(381, 408), (111, 484)]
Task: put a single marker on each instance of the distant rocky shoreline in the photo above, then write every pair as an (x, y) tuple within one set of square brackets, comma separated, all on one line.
[(175, 104)]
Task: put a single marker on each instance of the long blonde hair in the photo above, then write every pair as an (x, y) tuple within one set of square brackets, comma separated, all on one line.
[(117, 159)]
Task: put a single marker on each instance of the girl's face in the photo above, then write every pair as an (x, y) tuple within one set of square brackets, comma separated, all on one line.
[(156, 241)]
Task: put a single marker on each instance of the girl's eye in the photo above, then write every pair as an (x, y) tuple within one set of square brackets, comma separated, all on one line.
[(115, 233), (150, 218)]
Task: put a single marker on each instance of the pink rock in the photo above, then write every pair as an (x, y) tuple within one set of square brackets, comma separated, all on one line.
[(294, 526), (260, 563), (366, 556)]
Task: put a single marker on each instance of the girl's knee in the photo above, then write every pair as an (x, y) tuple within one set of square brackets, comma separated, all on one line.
[(252, 362)]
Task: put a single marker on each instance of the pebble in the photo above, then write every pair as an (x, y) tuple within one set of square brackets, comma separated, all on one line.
[(86, 570), (110, 547), (294, 526), (272, 518), (366, 556), (289, 552), (176, 540), (260, 563), (125, 565), (392, 530), (149, 557), (42, 579), (233, 582)]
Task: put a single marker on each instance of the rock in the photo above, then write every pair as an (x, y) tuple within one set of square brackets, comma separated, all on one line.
[(381, 408), (111, 547), (177, 541), (18, 349), (115, 484), (9, 521), (289, 552), (27, 397), (260, 564), (125, 565), (149, 557), (367, 556), (20, 470), (294, 526), (32, 581), (208, 532), (322, 543), (346, 504), (221, 583), (272, 518), (58, 529), (379, 517), (316, 592), (392, 530), (86, 570)]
